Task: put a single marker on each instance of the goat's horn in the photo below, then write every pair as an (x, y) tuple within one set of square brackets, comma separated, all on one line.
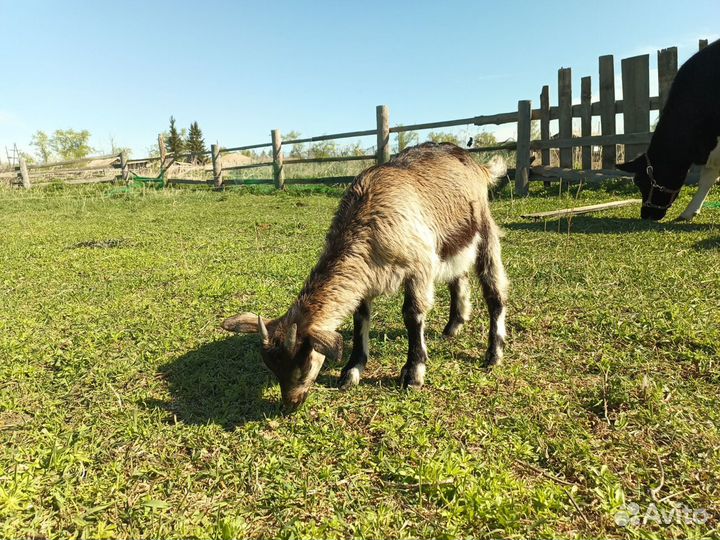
[(291, 338), (263, 331)]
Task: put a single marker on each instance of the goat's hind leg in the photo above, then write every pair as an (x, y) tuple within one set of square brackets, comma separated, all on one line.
[(350, 375), (708, 177), (418, 300), (494, 285), (460, 306)]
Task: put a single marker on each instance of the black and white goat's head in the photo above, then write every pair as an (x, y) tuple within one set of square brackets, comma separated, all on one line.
[(658, 195), (293, 355)]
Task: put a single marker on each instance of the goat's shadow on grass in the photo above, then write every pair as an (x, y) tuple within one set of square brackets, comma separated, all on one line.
[(221, 382), (708, 244), (605, 225)]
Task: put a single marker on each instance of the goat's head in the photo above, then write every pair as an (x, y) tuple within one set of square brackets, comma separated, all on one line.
[(657, 196), (294, 356)]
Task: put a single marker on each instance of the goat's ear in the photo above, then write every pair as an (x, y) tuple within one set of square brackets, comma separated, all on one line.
[(327, 343), (245, 323), (635, 166)]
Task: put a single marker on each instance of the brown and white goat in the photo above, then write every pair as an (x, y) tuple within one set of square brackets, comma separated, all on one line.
[(421, 218)]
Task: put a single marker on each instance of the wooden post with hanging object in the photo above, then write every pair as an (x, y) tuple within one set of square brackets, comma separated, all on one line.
[(124, 169), (216, 165)]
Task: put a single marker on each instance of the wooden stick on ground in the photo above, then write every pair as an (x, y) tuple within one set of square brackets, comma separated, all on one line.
[(582, 209)]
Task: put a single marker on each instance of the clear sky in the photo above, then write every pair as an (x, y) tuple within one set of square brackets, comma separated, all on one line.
[(241, 68)]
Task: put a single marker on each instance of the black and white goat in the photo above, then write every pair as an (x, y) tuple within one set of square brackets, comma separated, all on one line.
[(688, 132), (421, 218)]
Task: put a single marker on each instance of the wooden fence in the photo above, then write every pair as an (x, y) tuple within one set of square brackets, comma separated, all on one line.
[(635, 108)]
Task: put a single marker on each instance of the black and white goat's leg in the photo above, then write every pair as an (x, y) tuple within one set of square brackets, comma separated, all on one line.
[(350, 375), (418, 300), (708, 177), (494, 285), (460, 306)]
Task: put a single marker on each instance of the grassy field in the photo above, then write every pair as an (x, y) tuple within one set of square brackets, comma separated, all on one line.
[(125, 411)]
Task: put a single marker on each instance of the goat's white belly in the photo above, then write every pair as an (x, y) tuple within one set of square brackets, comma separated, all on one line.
[(459, 264), (713, 160)]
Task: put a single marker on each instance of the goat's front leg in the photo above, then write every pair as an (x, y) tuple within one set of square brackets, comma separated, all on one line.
[(350, 375), (460, 306), (418, 300), (494, 284), (708, 177)]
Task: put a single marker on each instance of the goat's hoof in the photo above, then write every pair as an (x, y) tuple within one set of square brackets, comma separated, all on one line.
[(412, 378), (681, 218), (349, 378), (493, 358), (452, 329)]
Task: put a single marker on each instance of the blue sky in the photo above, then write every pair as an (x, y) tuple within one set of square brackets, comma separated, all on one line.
[(120, 69)]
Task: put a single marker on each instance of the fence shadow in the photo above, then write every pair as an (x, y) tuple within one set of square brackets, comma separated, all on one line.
[(605, 225), (708, 244), (221, 382)]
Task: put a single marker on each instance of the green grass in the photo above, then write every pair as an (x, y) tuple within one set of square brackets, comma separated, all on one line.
[(125, 411)]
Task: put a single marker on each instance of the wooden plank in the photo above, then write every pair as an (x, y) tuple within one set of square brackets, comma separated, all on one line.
[(24, 176), (636, 96), (522, 159), (621, 138), (667, 60), (577, 110), (346, 135), (492, 119), (69, 162), (582, 209), (565, 113), (216, 165), (278, 171), (249, 166), (329, 159), (574, 175), (702, 43), (586, 120), (607, 107), (495, 148), (246, 147), (545, 123), (383, 134)]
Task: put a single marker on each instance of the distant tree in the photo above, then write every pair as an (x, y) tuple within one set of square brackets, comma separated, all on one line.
[(297, 149), (352, 149), (195, 144), (41, 141), (175, 142), (322, 149), (441, 136), (406, 138), (29, 159), (70, 144)]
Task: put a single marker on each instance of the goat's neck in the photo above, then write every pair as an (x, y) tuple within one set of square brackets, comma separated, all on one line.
[(669, 154), (332, 292)]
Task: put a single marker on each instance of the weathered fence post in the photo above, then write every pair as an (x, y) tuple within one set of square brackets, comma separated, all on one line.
[(522, 157), (607, 107), (667, 69), (636, 100), (24, 173), (545, 127), (278, 172), (565, 115), (383, 134), (217, 165), (586, 120), (124, 169), (163, 150)]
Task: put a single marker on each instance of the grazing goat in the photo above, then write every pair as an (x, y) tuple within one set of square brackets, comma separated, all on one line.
[(420, 218), (688, 132)]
